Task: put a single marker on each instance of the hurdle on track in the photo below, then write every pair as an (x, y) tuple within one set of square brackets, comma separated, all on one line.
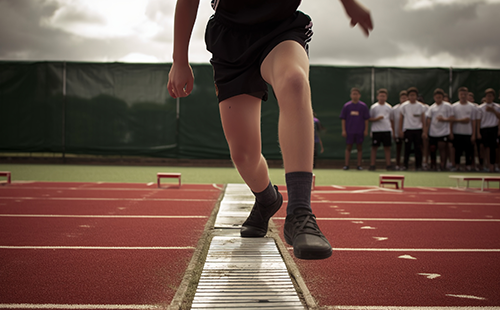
[(170, 175)]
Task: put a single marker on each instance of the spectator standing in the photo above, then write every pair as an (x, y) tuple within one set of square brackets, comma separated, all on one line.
[(464, 129), (381, 117), (354, 117), (488, 127), (438, 123), (411, 127), (403, 97)]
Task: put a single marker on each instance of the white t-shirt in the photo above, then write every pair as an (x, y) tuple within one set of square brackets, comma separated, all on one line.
[(488, 119), (385, 110), (437, 128), (466, 110), (412, 113)]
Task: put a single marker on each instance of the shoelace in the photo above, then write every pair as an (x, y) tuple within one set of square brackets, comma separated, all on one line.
[(309, 223)]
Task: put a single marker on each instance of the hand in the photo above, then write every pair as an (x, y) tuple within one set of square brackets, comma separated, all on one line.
[(322, 150), (466, 120), (440, 118), (490, 108), (380, 117), (473, 139), (344, 134), (401, 135), (451, 136), (180, 80), (359, 15), (479, 137), (366, 133)]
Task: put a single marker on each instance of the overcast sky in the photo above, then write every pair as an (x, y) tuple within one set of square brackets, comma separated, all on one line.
[(409, 33)]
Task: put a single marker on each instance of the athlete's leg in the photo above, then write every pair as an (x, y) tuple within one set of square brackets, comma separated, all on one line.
[(286, 68), (240, 116)]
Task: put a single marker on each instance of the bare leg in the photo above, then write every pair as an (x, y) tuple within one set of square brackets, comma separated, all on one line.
[(387, 151), (360, 153), (373, 155), (286, 68), (240, 117), (348, 150)]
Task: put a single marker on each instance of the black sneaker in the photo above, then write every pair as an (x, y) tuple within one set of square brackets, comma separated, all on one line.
[(257, 222), (346, 168), (302, 232)]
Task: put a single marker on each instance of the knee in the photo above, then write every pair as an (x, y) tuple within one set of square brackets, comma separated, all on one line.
[(243, 157), (294, 82)]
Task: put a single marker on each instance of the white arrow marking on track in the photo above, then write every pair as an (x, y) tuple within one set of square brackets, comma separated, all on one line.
[(430, 275), (380, 238), (406, 257)]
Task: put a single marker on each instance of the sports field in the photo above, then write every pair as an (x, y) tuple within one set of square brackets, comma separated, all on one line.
[(145, 174), (105, 237)]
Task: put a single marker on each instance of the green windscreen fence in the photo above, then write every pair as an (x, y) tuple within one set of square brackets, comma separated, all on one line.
[(125, 109)]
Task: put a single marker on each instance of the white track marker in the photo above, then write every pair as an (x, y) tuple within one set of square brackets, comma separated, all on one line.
[(430, 275), (338, 187), (407, 257), (150, 183), (368, 227), (380, 238), (466, 296), (76, 306)]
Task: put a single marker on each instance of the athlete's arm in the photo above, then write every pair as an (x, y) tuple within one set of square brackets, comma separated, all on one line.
[(180, 78), (359, 15)]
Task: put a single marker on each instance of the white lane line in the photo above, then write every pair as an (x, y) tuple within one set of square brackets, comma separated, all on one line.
[(412, 250), (338, 187), (427, 188), (408, 308), (76, 306), (352, 219), (14, 247), (109, 216), (466, 296), (106, 199)]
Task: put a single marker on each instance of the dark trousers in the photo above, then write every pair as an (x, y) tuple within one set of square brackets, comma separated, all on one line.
[(462, 143), (490, 135), (413, 137)]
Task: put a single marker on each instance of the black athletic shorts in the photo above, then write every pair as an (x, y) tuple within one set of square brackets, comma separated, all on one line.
[(435, 140), (238, 51), (489, 136), (383, 137)]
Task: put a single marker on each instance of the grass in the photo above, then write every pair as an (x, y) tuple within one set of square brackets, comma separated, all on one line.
[(196, 175)]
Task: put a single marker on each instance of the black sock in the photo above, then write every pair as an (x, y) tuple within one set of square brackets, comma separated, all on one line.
[(298, 186), (268, 196)]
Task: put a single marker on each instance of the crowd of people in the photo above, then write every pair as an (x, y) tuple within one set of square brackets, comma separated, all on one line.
[(453, 130)]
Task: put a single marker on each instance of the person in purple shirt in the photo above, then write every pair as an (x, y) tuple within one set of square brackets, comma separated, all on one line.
[(354, 115)]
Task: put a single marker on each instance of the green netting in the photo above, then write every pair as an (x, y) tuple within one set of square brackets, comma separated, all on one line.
[(125, 109)]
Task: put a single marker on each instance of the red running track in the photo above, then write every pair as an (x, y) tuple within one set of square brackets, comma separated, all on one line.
[(417, 248), (101, 244)]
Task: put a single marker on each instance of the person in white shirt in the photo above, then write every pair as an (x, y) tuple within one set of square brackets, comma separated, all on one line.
[(382, 122), (438, 123), (403, 97), (412, 119), (464, 129), (488, 127)]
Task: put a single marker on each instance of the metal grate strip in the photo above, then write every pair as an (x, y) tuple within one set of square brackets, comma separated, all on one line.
[(243, 273)]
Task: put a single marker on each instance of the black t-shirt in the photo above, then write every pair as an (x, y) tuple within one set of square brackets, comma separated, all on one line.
[(251, 12)]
